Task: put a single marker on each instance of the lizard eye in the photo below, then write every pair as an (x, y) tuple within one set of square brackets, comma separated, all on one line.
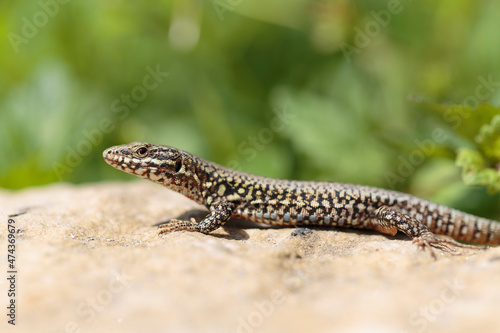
[(142, 151)]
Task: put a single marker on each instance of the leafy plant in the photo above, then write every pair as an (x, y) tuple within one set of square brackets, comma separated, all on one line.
[(480, 127)]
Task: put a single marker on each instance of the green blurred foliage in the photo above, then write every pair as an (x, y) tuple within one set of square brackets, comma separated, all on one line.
[(384, 93)]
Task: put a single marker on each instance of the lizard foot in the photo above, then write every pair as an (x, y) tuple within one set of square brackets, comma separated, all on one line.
[(450, 246)]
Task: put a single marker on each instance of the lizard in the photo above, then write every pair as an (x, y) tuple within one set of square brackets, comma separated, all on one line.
[(230, 193)]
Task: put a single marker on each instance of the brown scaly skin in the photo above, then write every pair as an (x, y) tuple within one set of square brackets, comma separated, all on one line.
[(229, 193)]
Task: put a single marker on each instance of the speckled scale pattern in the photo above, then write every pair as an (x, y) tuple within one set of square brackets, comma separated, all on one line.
[(230, 193)]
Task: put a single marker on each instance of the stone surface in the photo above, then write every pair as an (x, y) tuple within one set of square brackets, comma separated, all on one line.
[(89, 260)]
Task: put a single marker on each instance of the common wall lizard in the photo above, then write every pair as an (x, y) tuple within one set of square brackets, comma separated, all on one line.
[(229, 193)]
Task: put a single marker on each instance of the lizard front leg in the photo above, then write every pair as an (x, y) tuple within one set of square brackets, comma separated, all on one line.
[(390, 221), (220, 213)]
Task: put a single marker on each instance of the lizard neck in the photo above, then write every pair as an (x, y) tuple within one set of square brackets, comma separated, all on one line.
[(188, 180)]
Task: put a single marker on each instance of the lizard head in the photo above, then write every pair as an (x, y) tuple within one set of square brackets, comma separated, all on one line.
[(166, 165), (144, 159)]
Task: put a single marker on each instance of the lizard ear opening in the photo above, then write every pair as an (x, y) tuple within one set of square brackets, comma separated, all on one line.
[(178, 164)]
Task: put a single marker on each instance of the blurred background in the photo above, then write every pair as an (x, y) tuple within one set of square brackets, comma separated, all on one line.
[(402, 94)]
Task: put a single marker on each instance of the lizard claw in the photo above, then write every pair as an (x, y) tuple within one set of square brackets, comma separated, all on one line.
[(444, 245)]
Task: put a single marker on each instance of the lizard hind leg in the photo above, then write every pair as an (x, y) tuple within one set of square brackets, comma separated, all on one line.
[(390, 220)]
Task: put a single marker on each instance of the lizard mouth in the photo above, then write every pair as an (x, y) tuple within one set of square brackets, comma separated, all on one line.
[(118, 160), (110, 156), (113, 158)]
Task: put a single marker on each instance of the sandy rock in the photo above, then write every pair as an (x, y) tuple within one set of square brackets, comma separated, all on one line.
[(89, 260)]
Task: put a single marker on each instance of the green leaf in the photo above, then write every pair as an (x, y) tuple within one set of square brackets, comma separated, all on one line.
[(475, 170), (488, 139), (465, 120)]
